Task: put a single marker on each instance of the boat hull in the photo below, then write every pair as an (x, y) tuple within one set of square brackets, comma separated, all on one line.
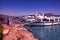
[(43, 23)]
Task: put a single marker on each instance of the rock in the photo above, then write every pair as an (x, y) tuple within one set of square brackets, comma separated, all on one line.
[(18, 32)]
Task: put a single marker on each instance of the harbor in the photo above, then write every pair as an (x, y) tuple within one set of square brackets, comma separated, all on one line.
[(47, 29)]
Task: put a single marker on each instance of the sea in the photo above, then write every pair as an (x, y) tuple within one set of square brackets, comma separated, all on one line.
[(45, 32)]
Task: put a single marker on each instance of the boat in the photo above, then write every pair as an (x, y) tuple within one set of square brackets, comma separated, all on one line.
[(43, 19), (44, 23)]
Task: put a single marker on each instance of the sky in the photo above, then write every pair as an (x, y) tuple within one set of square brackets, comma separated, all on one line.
[(23, 7)]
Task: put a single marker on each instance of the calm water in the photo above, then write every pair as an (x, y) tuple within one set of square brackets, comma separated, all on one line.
[(46, 32)]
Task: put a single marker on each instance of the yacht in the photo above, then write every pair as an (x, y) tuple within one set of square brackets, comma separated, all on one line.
[(43, 19)]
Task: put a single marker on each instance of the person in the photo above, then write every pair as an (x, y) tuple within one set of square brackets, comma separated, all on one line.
[(7, 21)]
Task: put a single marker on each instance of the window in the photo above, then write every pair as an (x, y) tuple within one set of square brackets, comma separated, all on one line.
[(59, 19), (56, 19)]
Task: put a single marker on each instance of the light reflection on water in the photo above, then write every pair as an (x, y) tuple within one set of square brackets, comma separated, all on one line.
[(46, 32)]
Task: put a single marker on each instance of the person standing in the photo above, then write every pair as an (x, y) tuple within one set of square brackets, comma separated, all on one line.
[(7, 21)]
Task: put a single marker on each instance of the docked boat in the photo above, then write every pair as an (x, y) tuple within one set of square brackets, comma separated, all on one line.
[(43, 19), (45, 23)]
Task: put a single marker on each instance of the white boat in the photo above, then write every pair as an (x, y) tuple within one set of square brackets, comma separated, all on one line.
[(44, 20), (46, 23)]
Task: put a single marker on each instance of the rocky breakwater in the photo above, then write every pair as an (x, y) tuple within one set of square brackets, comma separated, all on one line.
[(16, 32)]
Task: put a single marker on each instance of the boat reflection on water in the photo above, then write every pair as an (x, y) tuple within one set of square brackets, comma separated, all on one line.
[(46, 32)]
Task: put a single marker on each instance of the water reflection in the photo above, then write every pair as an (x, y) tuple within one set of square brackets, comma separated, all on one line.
[(46, 32)]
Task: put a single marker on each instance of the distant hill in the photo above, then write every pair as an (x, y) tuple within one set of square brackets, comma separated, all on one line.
[(3, 18), (6, 16)]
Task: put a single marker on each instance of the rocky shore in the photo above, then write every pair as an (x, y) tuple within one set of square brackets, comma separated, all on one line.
[(16, 32), (13, 30)]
